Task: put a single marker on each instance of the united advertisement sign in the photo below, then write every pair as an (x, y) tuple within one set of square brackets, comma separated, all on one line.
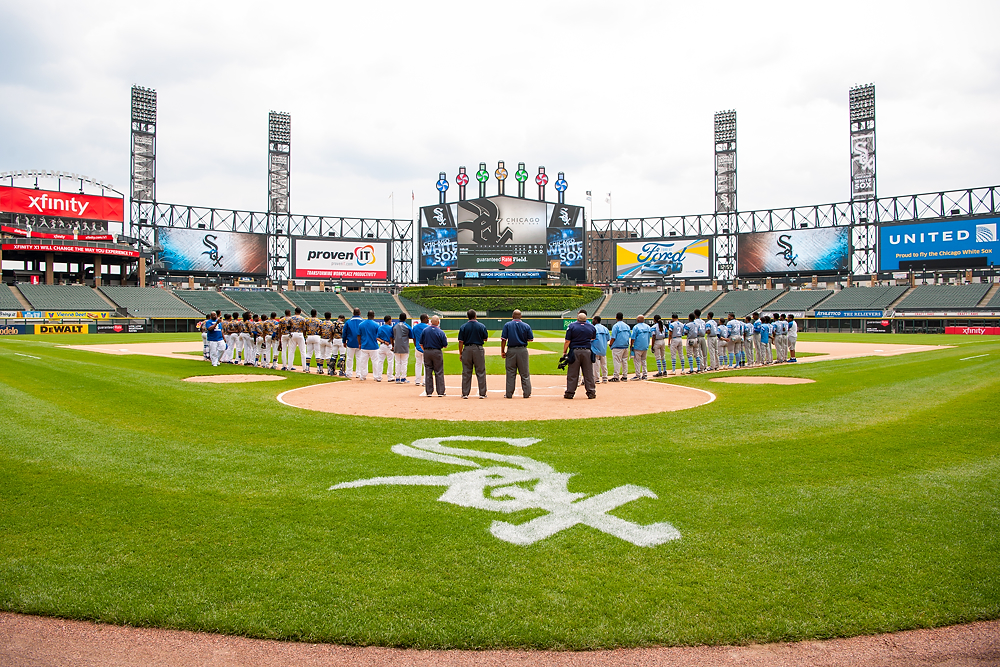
[(357, 260), (968, 242), (61, 204)]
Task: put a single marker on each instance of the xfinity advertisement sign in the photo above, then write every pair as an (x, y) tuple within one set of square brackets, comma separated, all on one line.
[(359, 260), (961, 243)]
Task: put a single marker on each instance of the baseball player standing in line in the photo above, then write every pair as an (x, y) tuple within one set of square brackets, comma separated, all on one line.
[(418, 351), (793, 335), (274, 341), (659, 346), (286, 337), (514, 339), (675, 336), (783, 339), (758, 344), (256, 338), (639, 338), (368, 344), (246, 340), (735, 340), (385, 354), (401, 335), (722, 338), (702, 339), (337, 353), (471, 337), (326, 343), (236, 340), (765, 340), (314, 326), (227, 351), (297, 340), (213, 336), (352, 341), (749, 347), (600, 348), (203, 328), (712, 336), (693, 346), (621, 335)]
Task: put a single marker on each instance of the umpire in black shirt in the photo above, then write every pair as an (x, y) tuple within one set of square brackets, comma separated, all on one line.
[(579, 338), (471, 337)]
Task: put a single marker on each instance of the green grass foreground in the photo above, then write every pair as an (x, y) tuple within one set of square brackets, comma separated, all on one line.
[(865, 502)]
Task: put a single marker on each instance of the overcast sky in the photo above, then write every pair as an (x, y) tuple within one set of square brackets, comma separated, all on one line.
[(619, 96)]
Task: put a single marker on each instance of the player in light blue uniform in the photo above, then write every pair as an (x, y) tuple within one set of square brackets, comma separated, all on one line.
[(675, 336), (620, 335), (600, 349), (693, 346), (793, 336), (766, 333), (722, 338), (712, 336), (640, 336)]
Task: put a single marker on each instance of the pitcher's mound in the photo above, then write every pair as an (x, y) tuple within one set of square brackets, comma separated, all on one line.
[(407, 401), (229, 379), (762, 379)]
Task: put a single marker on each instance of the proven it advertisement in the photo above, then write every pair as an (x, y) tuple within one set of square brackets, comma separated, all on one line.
[(906, 246), (61, 204), (664, 258), (211, 251), (362, 259), (825, 249)]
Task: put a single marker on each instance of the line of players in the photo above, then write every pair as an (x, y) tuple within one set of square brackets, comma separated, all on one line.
[(709, 344), (253, 340)]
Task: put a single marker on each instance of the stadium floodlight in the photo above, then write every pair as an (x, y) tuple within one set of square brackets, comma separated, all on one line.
[(862, 125), (725, 162)]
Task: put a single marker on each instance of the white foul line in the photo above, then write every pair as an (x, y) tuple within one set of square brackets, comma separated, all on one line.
[(26, 355), (975, 357)]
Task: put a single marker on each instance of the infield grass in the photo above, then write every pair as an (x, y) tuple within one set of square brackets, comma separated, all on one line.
[(865, 502)]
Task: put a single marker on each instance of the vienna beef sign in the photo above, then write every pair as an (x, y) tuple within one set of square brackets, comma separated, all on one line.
[(364, 260), (61, 204)]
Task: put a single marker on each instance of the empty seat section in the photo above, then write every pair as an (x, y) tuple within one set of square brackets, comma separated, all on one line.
[(63, 297), (683, 303), (259, 302), (7, 299), (383, 304), (799, 300), (863, 298), (150, 302), (744, 302), (944, 297), (629, 304), (205, 301)]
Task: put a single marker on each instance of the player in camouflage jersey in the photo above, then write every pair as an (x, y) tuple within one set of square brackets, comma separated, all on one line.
[(326, 346), (337, 354), (296, 340), (286, 335), (314, 344)]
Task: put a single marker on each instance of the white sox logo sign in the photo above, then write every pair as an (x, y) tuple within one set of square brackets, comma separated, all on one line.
[(503, 488)]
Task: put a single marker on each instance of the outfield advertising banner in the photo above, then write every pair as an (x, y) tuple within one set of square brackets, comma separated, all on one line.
[(126, 326), (14, 329), (357, 260), (212, 252), (937, 243), (663, 258), (61, 204), (62, 328), (821, 250), (973, 331)]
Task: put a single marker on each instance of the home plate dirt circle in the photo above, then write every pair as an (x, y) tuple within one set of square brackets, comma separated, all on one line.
[(229, 379), (387, 399), (762, 379)]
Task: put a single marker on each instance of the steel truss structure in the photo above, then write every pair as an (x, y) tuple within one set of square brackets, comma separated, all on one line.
[(280, 230), (863, 217)]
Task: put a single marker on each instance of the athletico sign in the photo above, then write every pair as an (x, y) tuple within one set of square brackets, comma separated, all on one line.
[(61, 204), (849, 313), (973, 331), (52, 247), (366, 260)]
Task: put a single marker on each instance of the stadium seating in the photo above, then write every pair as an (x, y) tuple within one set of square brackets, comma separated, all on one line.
[(629, 304), (683, 303), (63, 297), (744, 302), (321, 301), (863, 298), (7, 299), (799, 300), (205, 301), (592, 308), (383, 304), (259, 302), (944, 297), (150, 302), (995, 301)]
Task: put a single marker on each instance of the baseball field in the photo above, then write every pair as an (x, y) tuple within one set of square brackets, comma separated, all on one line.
[(865, 501)]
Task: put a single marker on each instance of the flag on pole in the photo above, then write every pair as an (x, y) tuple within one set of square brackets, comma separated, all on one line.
[(589, 197), (608, 200)]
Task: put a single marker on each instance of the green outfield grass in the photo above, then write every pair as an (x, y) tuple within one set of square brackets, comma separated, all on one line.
[(865, 502)]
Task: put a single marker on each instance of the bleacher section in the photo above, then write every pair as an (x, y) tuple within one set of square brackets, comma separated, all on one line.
[(383, 304), (863, 298), (944, 297), (7, 299), (321, 301), (150, 302), (683, 303), (413, 309), (259, 302), (994, 302), (592, 308), (799, 300), (63, 297), (744, 302), (629, 304), (205, 301)]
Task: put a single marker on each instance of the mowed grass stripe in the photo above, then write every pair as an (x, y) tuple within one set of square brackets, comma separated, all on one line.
[(205, 507)]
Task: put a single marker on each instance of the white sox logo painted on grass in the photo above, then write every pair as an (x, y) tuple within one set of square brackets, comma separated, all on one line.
[(498, 488)]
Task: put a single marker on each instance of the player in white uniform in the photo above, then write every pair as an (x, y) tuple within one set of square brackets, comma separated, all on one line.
[(722, 342), (712, 336), (693, 346), (659, 346), (675, 337), (793, 335)]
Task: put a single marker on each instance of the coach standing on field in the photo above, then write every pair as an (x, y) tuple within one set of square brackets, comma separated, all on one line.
[(579, 337), (471, 337), (514, 339), (433, 341)]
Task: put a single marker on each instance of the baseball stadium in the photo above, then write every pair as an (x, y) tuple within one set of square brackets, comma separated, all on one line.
[(167, 468)]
